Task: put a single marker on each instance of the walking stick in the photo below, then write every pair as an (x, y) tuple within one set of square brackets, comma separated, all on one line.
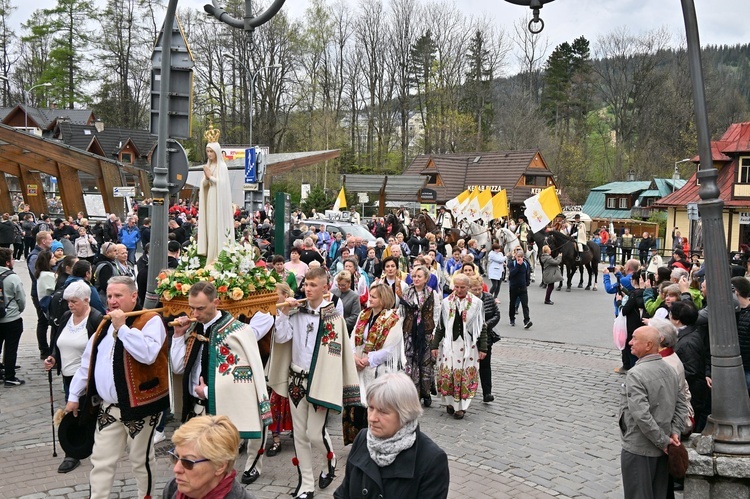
[(52, 414)]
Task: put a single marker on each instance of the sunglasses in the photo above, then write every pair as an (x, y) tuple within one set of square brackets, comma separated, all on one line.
[(186, 463)]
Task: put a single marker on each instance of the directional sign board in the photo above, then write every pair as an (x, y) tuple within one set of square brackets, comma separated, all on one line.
[(123, 192)]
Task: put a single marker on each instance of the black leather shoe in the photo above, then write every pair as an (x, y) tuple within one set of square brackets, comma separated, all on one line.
[(250, 476), (427, 401), (68, 465), (243, 447), (325, 481), (489, 398)]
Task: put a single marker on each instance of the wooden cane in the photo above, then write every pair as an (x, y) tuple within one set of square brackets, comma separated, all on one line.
[(177, 323), (127, 314)]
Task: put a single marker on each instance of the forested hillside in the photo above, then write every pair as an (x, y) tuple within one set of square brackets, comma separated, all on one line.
[(353, 75)]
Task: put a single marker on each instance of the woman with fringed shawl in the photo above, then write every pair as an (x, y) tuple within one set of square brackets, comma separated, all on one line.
[(420, 308), (378, 349), (459, 344)]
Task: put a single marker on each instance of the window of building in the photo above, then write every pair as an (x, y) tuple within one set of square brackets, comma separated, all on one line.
[(611, 203), (126, 157), (744, 171), (623, 203), (536, 180), (432, 178)]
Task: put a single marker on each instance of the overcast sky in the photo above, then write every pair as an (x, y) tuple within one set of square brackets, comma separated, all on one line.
[(720, 21)]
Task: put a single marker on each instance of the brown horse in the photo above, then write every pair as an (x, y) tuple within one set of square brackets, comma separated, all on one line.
[(426, 224)]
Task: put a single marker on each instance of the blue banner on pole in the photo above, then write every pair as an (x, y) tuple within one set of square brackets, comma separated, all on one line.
[(251, 172)]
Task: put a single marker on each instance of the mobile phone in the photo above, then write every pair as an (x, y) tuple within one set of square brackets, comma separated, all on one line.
[(611, 269)]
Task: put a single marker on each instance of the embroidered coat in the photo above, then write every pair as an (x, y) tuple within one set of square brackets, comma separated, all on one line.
[(236, 381), (332, 382)]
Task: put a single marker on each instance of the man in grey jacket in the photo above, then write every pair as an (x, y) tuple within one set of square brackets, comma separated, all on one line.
[(11, 326), (652, 415)]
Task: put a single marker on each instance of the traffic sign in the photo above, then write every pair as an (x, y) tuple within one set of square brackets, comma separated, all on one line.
[(123, 192)]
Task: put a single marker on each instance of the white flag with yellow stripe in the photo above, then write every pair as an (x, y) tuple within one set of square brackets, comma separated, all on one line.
[(340, 200), (542, 208)]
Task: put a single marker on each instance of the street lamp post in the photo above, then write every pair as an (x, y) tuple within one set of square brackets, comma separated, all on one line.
[(253, 76), (26, 103), (676, 173), (729, 423)]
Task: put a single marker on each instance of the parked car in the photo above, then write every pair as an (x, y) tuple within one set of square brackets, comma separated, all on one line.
[(345, 228)]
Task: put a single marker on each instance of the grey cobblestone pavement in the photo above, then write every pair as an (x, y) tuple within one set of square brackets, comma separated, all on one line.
[(551, 431)]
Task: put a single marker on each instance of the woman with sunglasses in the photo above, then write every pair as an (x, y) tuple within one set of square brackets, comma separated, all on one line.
[(204, 455)]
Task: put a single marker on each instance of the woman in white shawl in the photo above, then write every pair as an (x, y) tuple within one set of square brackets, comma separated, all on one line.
[(378, 349), (459, 343), (215, 215)]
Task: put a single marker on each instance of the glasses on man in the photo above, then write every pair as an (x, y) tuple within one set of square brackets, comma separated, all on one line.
[(186, 463)]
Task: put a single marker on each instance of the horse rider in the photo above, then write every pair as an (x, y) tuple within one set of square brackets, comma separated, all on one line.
[(522, 231), (560, 224), (403, 215), (444, 220), (578, 234)]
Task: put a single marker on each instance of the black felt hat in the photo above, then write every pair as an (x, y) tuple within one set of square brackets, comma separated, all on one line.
[(76, 435)]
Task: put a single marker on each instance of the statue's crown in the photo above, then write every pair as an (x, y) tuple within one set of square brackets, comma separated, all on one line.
[(212, 134)]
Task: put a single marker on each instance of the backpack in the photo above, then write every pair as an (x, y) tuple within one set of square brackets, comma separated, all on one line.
[(95, 275), (40, 226), (57, 305), (3, 302)]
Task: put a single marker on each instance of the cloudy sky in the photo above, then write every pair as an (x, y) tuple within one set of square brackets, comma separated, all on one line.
[(564, 19)]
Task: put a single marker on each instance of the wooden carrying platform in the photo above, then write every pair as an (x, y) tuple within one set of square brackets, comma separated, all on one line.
[(248, 306)]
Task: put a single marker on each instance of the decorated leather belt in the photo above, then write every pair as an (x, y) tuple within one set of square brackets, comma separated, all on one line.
[(201, 402), (297, 385)]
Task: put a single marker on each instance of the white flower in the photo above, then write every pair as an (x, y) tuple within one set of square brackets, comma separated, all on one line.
[(195, 262)]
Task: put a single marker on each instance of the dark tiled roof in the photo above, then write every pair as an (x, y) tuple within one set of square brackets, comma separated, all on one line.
[(111, 139), (503, 168)]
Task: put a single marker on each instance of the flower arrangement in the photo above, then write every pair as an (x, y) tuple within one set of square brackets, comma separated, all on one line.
[(233, 273)]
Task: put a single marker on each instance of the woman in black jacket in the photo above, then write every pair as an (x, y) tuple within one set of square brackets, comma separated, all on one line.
[(392, 458), (691, 351), (491, 318)]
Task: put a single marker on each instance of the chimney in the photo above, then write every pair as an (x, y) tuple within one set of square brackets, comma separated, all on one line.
[(99, 124)]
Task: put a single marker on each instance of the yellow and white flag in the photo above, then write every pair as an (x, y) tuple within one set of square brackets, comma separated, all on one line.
[(497, 206), (340, 201), (542, 208), (457, 203), (471, 209), (484, 199)]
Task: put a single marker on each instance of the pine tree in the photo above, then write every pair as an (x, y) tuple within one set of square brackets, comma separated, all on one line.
[(423, 61)]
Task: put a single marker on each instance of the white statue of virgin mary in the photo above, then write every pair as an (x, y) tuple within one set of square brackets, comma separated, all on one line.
[(215, 214)]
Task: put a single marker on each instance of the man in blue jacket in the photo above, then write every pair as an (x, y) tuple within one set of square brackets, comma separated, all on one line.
[(129, 236), (519, 278), (624, 280)]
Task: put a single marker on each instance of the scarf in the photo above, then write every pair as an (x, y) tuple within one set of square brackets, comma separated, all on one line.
[(378, 326), (218, 492), (385, 450)]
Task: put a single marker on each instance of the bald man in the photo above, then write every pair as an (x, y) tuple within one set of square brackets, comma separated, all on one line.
[(652, 415)]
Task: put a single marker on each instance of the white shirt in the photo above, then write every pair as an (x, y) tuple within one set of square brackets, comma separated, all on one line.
[(71, 344), (302, 329), (260, 324), (143, 346)]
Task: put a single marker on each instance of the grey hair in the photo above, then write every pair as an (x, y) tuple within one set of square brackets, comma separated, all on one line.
[(678, 273), (667, 331), (123, 279), (77, 289), (395, 391), (461, 277)]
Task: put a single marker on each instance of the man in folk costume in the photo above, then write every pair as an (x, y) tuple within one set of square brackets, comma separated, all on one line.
[(312, 363), (224, 371), (460, 342), (444, 220), (522, 231), (125, 366)]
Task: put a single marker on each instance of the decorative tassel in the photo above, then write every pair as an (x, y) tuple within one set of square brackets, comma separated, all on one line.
[(329, 456), (295, 461)]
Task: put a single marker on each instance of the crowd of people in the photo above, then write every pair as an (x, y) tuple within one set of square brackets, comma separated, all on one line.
[(403, 322)]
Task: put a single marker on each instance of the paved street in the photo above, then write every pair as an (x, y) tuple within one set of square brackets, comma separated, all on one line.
[(551, 431)]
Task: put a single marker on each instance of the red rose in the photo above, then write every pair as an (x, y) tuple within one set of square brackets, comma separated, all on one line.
[(332, 335), (223, 367), (230, 359), (223, 350)]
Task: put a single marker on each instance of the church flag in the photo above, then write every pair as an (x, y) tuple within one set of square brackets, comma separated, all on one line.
[(542, 208), (340, 201), (457, 203), (498, 205), (484, 199)]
